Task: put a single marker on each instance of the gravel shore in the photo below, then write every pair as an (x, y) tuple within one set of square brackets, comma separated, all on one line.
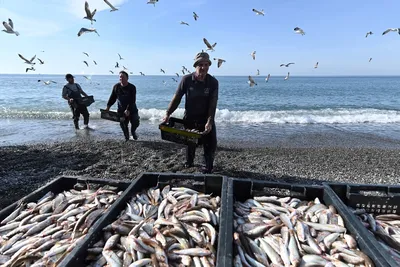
[(25, 168)]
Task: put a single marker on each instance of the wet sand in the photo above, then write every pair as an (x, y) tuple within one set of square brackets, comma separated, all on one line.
[(25, 168)]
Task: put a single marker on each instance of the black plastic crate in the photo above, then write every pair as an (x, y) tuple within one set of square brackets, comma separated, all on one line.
[(174, 131), (376, 199), (109, 115), (62, 183), (87, 100), (242, 189), (209, 184)]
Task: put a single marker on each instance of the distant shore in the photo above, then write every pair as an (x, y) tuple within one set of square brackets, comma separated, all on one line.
[(24, 168)]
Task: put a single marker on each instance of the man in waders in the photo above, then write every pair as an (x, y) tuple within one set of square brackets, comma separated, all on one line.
[(201, 93), (125, 93), (72, 92)]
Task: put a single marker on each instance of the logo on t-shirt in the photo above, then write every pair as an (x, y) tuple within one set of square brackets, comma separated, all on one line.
[(207, 91)]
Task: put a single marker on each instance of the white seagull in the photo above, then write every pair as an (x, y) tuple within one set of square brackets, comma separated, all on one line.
[(41, 61), (258, 72), (267, 79), (85, 30), (316, 65), (124, 68), (195, 16), (220, 61), (110, 5), (287, 77), (47, 82), (9, 27), (86, 77), (368, 33), (31, 68), (89, 14), (391, 30), (299, 31), (251, 81), (94, 62), (152, 2), (177, 74), (253, 55), (111, 71), (86, 54), (258, 12), (116, 65), (209, 46), (370, 59), (141, 73), (184, 23), (175, 80), (286, 65), (120, 58), (183, 72), (86, 63), (163, 71), (30, 62)]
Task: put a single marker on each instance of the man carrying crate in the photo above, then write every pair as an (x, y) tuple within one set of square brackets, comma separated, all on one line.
[(201, 96), (125, 93)]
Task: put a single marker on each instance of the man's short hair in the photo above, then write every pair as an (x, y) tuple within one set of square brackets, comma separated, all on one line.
[(125, 73)]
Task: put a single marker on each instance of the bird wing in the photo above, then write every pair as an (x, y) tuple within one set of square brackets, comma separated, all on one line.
[(94, 12), (385, 32), (281, 65), (86, 63), (251, 80), (290, 63), (53, 81), (87, 10), (207, 43), (219, 63), (297, 28), (108, 3), (32, 59), (86, 53), (81, 31), (256, 11), (10, 22), (119, 56), (214, 45), (94, 62), (41, 61), (22, 57), (8, 27)]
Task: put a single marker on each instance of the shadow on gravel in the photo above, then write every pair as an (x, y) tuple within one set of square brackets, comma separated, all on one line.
[(23, 169)]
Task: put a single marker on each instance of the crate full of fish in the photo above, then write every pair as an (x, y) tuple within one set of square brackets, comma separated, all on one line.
[(109, 115), (175, 131), (278, 224), (164, 220), (44, 227), (377, 209)]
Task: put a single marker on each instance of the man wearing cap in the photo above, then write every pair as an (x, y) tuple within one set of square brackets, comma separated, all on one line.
[(72, 92), (201, 93)]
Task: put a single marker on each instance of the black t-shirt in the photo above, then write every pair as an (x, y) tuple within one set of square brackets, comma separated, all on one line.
[(124, 95)]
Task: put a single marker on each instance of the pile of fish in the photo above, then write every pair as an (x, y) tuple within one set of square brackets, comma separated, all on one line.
[(175, 226), (386, 228), (272, 231), (42, 233)]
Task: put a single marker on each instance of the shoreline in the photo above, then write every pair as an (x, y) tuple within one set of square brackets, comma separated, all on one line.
[(24, 168)]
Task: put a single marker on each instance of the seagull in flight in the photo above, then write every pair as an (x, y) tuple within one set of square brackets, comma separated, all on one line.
[(299, 31), (370, 59), (41, 61), (209, 46), (131, 72), (47, 82), (86, 63), (258, 72), (124, 68), (86, 77), (110, 5), (368, 33), (120, 58), (316, 65), (286, 65), (152, 2), (163, 71), (251, 81), (391, 30), (183, 72), (116, 65), (89, 14), (31, 68), (86, 54), (287, 77), (184, 23), (164, 82), (95, 63), (253, 55), (111, 71), (141, 73), (258, 12), (30, 62), (220, 61), (9, 27), (195, 16), (85, 30), (175, 80), (177, 74), (267, 79)]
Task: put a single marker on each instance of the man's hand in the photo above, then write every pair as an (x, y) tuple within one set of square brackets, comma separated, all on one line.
[(127, 113), (208, 127), (165, 119), (71, 100), (107, 109)]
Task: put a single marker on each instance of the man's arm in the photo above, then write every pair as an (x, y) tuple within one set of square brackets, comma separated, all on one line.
[(176, 99), (65, 94), (112, 99), (213, 103), (81, 90)]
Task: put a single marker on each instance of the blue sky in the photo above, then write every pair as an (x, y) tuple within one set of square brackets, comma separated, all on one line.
[(150, 38)]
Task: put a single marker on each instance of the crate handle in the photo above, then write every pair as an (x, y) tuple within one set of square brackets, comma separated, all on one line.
[(367, 191)]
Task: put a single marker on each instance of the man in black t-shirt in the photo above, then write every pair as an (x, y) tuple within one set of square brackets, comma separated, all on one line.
[(201, 93), (72, 93), (125, 95)]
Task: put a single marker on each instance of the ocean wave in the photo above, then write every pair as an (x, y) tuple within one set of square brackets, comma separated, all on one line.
[(300, 116)]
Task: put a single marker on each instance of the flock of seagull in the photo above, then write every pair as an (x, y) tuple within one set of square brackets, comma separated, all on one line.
[(9, 28)]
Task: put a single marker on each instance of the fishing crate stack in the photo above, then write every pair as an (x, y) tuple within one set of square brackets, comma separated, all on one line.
[(168, 219)]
